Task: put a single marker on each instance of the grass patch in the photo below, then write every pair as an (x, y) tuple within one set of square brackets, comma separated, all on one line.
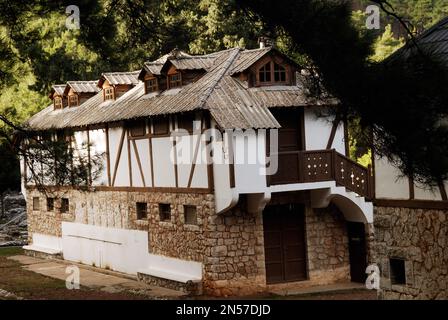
[(34, 286), (10, 251)]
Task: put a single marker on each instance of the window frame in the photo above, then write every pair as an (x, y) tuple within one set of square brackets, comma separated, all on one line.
[(109, 95), (165, 215), (141, 207), (70, 103), (36, 204), (186, 221), (154, 87), (58, 103), (188, 119), (50, 204), (397, 271), (273, 72), (157, 121), (178, 83), (65, 205), (137, 124)]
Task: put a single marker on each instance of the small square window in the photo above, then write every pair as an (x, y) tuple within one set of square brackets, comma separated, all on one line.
[(109, 93), (58, 103), (164, 212), (65, 204), (36, 204), (151, 85), (161, 126), (190, 214), (186, 122), (73, 100), (174, 80), (138, 128), (397, 271), (50, 204), (142, 210)]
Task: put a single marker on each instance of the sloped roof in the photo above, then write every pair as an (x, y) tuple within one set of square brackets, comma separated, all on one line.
[(82, 86), (434, 40), (57, 89), (227, 98), (248, 58), (116, 78)]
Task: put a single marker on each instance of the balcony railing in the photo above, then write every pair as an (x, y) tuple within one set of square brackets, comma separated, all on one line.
[(322, 165)]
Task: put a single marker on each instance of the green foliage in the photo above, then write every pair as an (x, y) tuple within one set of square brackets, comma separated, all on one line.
[(386, 44), (401, 100), (422, 14), (36, 50)]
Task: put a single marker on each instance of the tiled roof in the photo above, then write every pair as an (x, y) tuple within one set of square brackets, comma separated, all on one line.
[(434, 41), (227, 98), (58, 89), (82, 86), (115, 78)]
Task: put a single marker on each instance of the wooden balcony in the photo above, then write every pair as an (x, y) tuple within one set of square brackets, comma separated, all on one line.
[(322, 165)]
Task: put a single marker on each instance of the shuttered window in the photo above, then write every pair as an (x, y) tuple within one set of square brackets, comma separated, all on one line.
[(151, 85), (109, 93), (174, 80), (58, 103), (73, 100)]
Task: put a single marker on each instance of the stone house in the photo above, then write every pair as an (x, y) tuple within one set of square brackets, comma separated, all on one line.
[(219, 175), (411, 220)]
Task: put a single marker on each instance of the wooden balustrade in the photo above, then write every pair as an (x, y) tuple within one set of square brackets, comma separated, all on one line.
[(322, 165)]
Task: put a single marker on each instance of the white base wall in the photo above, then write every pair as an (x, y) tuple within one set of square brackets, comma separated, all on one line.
[(120, 250)]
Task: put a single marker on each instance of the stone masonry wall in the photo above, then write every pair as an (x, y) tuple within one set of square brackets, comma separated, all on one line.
[(230, 245), (117, 209), (327, 245), (234, 253), (420, 238)]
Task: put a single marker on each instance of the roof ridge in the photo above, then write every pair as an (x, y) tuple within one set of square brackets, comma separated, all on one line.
[(225, 67), (80, 81), (118, 72)]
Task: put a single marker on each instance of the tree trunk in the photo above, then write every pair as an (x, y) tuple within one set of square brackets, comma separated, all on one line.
[(2, 205)]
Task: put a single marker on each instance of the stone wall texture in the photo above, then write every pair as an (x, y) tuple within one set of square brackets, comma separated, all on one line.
[(327, 241), (420, 238), (230, 245)]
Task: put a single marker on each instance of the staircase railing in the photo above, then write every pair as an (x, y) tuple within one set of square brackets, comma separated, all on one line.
[(322, 165)]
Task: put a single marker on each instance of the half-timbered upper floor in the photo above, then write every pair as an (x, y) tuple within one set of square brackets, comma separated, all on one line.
[(232, 122)]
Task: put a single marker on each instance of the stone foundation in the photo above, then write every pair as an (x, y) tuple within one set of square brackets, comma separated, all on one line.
[(193, 288), (234, 253), (420, 238), (230, 245)]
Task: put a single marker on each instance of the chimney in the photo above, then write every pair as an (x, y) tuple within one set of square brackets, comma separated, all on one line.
[(262, 41)]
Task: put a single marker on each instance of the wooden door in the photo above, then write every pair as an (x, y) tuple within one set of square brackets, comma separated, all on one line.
[(284, 239), (357, 251), (290, 142)]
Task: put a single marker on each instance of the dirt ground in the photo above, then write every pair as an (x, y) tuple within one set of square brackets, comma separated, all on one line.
[(18, 283), (26, 284)]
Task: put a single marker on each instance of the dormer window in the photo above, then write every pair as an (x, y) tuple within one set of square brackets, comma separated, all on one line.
[(57, 103), (272, 73), (151, 85), (73, 100), (264, 73), (279, 73), (174, 80), (109, 93)]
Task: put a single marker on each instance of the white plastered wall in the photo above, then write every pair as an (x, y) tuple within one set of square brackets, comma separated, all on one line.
[(318, 131)]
